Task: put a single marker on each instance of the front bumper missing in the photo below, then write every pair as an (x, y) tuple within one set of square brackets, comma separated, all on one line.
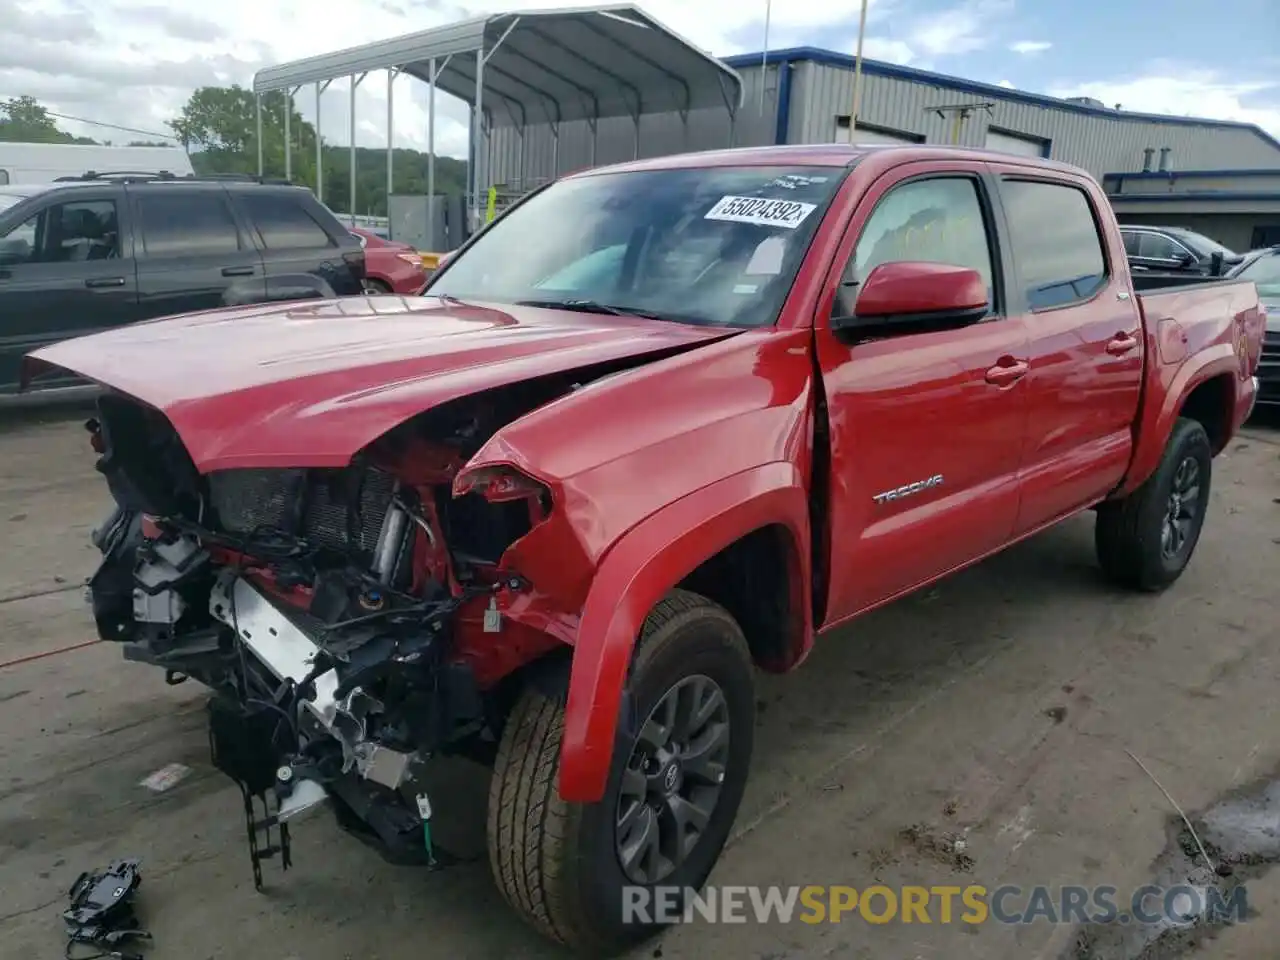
[(291, 758)]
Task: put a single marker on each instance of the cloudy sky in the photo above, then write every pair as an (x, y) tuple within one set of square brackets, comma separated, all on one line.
[(134, 62)]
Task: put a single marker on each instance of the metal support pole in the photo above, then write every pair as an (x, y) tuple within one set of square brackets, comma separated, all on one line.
[(477, 126), (857, 75), (635, 144), (288, 136), (319, 149), (520, 160), (555, 151), (595, 138), (431, 149), (391, 79), (355, 82), (257, 107)]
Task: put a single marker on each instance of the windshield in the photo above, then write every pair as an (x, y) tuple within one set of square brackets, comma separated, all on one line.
[(1265, 273), (718, 245)]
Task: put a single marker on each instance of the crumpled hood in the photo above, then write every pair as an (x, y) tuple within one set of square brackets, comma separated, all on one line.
[(310, 383)]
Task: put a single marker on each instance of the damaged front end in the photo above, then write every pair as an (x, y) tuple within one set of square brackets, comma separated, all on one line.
[(329, 610)]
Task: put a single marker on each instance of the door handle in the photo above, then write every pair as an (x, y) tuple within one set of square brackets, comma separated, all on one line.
[(1005, 374), (104, 282), (237, 271), (1121, 343)]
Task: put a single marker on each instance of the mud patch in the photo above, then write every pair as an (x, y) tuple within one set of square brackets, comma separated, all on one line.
[(943, 846), (1241, 834)]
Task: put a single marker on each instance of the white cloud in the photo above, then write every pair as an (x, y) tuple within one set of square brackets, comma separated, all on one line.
[(1029, 48), (1006, 84), (1190, 93)]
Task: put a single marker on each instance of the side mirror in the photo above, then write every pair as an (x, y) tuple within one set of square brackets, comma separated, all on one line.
[(1185, 260), (913, 297)]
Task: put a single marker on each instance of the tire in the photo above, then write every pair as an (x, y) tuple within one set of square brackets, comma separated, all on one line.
[(1131, 536), (558, 863), (375, 287)]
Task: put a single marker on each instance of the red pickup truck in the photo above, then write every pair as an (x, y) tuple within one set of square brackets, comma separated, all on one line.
[(658, 425)]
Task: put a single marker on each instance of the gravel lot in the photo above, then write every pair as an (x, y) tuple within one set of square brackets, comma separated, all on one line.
[(998, 706)]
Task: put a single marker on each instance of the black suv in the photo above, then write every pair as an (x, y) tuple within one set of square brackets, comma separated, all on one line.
[(97, 251), (1174, 250)]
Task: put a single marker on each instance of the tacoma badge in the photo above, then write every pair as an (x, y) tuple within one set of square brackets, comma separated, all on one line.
[(909, 489)]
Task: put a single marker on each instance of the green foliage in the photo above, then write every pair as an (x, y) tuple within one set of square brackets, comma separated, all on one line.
[(23, 120), (219, 126)]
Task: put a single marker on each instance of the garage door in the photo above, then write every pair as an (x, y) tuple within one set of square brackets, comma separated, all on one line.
[(1011, 143)]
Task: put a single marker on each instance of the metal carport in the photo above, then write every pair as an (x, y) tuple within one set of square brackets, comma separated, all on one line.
[(512, 69)]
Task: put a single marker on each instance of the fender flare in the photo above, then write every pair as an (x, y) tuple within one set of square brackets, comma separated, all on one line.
[(1157, 423), (635, 574)]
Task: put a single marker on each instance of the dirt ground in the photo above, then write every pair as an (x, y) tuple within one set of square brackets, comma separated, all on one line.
[(999, 707)]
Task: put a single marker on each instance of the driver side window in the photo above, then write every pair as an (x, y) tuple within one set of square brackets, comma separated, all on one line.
[(937, 220), (66, 232)]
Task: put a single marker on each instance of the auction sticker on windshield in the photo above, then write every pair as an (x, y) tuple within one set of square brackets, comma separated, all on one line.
[(761, 211)]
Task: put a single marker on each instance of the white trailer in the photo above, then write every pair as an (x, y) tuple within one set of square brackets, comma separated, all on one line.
[(46, 162)]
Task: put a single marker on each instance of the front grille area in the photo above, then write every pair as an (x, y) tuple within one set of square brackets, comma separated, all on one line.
[(338, 509)]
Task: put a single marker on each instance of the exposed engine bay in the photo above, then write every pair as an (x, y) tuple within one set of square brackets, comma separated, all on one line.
[(321, 606)]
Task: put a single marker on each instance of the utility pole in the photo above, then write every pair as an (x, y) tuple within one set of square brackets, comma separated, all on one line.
[(857, 75), (764, 54)]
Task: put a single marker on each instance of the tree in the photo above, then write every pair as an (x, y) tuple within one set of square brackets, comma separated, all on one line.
[(218, 125), (221, 123), (24, 120)]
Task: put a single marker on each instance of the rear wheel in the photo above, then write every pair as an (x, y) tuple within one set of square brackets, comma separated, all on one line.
[(678, 773), (1145, 540)]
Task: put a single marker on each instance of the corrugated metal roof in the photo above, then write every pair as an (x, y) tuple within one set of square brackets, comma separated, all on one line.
[(882, 69), (543, 66)]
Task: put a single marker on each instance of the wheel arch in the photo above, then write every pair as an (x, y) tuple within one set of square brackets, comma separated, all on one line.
[(1196, 390), (754, 521)]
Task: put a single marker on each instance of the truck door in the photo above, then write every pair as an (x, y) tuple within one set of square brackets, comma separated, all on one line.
[(66, 269), (191, 249), (1086, 347), (946, 407)]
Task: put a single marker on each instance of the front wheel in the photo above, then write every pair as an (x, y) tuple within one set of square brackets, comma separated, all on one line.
[(585, 874), (1145, 540)]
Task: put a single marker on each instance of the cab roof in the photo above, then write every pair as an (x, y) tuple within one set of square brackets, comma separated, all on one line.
[(825, 155)]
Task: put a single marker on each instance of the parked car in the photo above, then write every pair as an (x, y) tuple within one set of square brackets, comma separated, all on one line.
[(1263, 268), (657, 425), (107, 250), (389, 265), (1175, 250)]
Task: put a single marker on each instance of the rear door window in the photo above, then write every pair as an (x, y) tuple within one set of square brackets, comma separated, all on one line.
[(1056, 242), (283, 222), (189, 224)]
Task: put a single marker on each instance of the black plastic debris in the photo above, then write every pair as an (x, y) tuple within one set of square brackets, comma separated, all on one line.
[(101, 915)]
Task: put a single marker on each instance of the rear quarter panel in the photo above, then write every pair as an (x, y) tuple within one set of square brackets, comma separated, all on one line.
[(1194, 333)]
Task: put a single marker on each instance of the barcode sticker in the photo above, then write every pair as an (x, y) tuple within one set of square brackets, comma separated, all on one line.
[(761, 211)]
